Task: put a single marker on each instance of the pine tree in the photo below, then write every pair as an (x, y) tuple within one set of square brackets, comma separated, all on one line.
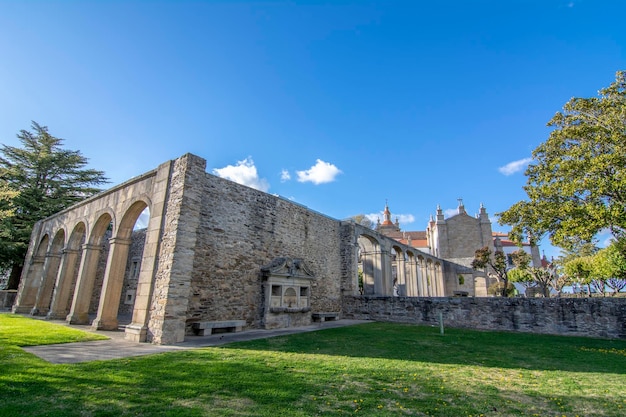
[(37, 180)]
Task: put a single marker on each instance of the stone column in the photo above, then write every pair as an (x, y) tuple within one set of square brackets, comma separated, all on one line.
[(440, 282), (427, 279), (411, 278), (79, 313), (401, 274), (48, 279), (61, 294), (421, 280), (387, 275), (137, 330), (172, 283), (378, 272), (112, 285), (27, 294)]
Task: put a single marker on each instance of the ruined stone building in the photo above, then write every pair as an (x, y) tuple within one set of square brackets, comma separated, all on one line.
[(219, 252)]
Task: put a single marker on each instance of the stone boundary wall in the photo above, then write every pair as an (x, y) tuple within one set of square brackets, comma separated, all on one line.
[(590, 317)]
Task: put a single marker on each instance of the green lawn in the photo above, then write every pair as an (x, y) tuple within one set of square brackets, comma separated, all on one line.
[(372, 369)]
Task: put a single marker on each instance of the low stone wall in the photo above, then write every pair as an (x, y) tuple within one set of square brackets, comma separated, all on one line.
[(7, 298), (591, 317)]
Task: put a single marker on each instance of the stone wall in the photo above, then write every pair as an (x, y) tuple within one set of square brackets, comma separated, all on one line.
[(241, 230), (592, 317)]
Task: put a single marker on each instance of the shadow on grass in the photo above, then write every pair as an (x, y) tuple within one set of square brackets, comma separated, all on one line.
[(456, 346), (236, 382)]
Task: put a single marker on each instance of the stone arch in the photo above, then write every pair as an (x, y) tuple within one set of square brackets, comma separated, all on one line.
[(31, 277), (398, 274), (430, 288), (130, 215), (93, 251), (422, 281), (67, 275), (438, 279), (411, 274), (370, 264), (49, 273), (110, 297)]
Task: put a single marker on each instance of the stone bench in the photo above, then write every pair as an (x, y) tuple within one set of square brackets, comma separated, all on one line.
[(205, 328), (321, 317)]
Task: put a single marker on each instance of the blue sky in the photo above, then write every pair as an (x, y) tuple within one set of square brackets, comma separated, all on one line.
[(337, 105)]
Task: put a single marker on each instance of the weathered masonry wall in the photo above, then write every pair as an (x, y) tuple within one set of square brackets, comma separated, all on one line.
[(241, 230), (213, 251), (591, 317)]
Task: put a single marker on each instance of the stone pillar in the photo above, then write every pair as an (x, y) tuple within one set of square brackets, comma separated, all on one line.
[(137, 330), (48, 279), (419, 277), (387, 274), (411, 278), (438, 278), (29, 285), (172, 283), (61, 294), (79, 312), (428, 279), (401, 274), (378, 272), (112, 285), (27, 291)]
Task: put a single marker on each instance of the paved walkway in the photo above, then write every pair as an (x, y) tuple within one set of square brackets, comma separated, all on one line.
[(117, 347)]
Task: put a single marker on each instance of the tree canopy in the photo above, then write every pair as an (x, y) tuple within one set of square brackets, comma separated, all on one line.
[(484, 259), (37, 180), (576, 183)]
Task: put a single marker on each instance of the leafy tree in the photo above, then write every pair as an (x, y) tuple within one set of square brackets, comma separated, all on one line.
[(609, 269), (37, 180), (363, 221), (542, 277), (576, 182), (521, 276), (496, 263), (579, 270)]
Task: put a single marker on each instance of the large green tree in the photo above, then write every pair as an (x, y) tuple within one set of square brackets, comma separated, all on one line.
[(37, 180), (544, 278), (494, 264), (608, 267), (576, 183)]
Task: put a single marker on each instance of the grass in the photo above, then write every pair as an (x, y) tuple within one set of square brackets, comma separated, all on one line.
[(373, 369)]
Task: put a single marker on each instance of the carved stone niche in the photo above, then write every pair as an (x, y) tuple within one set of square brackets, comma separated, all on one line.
[(287, 293)]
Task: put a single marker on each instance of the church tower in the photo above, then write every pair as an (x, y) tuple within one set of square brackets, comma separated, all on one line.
[(387, 225)]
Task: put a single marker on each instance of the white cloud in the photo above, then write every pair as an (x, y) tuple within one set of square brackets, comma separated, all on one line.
[(284, 175), (244, 173), (320, 173), (404, 218), (515, 166), (450, 212)]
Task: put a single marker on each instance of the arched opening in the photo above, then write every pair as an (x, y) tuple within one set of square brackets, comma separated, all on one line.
[(369, 266), (411, 275), (68, 274), (133, 268), (32, 280), (93, 264), (117, 298), (398, 271), (49, 274)]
